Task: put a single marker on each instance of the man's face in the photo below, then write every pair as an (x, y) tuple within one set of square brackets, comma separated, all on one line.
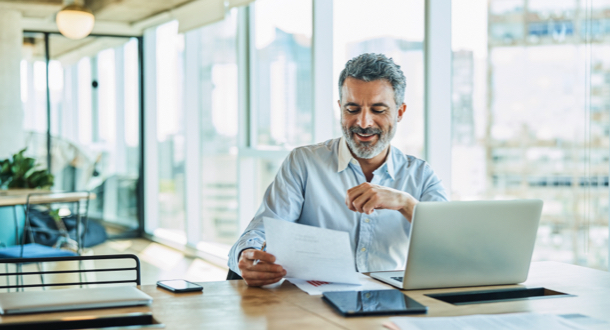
[(368, 116)]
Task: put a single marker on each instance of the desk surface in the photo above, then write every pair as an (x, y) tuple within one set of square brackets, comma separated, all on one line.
[(12, 197), (233, 305)]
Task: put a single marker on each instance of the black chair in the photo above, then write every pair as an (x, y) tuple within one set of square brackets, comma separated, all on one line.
[(233, 276), (136, 278)]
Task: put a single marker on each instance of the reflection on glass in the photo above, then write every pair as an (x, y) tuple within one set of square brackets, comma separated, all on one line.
[(530, 117), (396, 29), (283, 72)]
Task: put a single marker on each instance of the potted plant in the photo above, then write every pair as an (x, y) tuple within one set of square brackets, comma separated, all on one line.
[(20, 171)]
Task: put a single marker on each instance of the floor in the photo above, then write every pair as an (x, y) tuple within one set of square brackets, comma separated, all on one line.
[(157, 262)]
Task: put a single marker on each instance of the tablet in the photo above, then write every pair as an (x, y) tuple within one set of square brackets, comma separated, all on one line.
[(375, 302)]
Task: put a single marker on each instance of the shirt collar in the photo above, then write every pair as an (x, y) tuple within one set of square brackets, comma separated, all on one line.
[(345, 157)]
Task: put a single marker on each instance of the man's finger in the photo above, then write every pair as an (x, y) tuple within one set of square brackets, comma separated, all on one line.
[(362, 200), (259, 255), (265, 267), (371, 204), (254, 275)]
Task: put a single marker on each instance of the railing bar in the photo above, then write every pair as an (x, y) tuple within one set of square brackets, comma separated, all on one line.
[(65, 284), (57, 259), (69, 271)]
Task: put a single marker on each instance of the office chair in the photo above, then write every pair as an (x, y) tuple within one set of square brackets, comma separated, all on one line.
[(32, 250), (133, 270)]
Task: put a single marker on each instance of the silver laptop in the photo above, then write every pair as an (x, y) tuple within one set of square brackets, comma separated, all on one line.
[(457, 244), (71, 299)]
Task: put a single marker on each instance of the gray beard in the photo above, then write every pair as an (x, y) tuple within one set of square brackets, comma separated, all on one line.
[(366, 150)]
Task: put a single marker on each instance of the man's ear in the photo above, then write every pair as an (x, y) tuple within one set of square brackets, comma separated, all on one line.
[(401, 111), (339, 103)]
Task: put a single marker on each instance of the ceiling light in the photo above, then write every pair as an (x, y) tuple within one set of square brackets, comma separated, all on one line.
[(75, 21)]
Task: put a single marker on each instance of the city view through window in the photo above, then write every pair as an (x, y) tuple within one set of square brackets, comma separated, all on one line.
[(530, 111), (531, 95)]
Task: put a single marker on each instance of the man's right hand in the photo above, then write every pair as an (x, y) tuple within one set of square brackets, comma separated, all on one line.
[(262, 272)]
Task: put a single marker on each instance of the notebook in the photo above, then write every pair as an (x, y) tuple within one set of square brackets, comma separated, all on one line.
[(71, 299)]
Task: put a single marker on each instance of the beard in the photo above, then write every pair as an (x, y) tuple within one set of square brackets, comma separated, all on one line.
[(365, 149)]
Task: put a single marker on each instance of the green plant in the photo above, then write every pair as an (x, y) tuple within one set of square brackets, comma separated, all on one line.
[(20, 171)]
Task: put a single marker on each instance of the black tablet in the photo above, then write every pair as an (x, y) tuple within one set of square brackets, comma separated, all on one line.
[(377, 302)]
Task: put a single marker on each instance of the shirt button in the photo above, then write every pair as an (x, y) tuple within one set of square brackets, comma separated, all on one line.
[(353, 161), (367, 295), (363, 249), (367, 220)]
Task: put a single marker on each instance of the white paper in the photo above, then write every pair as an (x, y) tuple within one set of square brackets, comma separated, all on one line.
[(316, 288), (530, 321), (311, 253)]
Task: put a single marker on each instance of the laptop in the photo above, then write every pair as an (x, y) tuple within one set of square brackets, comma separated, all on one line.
[(458, 244), (71, 299)]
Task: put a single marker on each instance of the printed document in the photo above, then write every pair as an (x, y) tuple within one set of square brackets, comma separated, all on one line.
[(318, 287), (311, 253)]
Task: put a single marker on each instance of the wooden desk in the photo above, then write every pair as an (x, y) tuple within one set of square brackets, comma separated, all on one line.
[(233, 305), (12, 197)]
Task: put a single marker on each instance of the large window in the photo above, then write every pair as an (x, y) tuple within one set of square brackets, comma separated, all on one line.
[(94, 118), (530, 117), (169, 54), (393, 28), (212, 175), (282, 73)]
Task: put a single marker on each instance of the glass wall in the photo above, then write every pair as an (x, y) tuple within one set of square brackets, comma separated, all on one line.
[(393, 28), (170, 131), (282, 73), (234, 164), (94, 122), (530, 116), (218, 92)]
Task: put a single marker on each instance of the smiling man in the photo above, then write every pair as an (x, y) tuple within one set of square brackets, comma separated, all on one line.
[(358, 183)]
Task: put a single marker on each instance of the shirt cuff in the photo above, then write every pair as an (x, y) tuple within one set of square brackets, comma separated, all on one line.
[(251, 243)]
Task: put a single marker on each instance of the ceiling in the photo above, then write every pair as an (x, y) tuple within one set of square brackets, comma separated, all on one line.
[(112, 17)]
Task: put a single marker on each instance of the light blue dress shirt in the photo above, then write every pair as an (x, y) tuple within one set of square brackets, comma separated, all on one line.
[(310, 189)]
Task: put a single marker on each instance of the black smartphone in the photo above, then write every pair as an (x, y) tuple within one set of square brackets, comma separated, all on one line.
[(179, 286)]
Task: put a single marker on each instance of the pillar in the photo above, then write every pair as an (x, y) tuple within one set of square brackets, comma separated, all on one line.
[(11, 111)]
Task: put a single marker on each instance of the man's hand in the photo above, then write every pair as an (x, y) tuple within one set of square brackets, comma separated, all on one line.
[(367, 197), (262, 272)]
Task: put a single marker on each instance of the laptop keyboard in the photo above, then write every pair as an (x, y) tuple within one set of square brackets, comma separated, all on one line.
[(397, 278)]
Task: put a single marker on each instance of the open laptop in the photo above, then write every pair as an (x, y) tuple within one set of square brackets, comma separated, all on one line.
[(457, 244), (71, 299)]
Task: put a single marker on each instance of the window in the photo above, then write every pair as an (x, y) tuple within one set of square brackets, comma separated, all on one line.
[(393, 28), (528, 118), (170, 132), (282, 73), (94, 122)]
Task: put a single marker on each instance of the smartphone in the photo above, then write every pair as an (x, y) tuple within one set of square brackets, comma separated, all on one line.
[(178, 286)]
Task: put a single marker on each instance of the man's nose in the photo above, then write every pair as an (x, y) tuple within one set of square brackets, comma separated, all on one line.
[(365, 119)]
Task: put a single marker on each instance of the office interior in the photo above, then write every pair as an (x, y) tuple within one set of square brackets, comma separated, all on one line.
[(176, 115)]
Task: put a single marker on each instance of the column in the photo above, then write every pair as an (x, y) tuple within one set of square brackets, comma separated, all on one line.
[(11, 111)]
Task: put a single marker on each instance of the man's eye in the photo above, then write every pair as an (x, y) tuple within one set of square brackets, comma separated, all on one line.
[(350, 110), (378, 110)]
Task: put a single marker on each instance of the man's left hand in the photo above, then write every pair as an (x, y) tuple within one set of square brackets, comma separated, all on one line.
[(367, 197)]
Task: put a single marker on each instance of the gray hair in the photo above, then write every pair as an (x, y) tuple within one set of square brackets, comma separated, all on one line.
[(371, 67)]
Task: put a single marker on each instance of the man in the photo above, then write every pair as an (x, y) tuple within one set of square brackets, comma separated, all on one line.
[(357, 183)]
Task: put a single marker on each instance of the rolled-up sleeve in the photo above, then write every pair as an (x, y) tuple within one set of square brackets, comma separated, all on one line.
[(282, 200)]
